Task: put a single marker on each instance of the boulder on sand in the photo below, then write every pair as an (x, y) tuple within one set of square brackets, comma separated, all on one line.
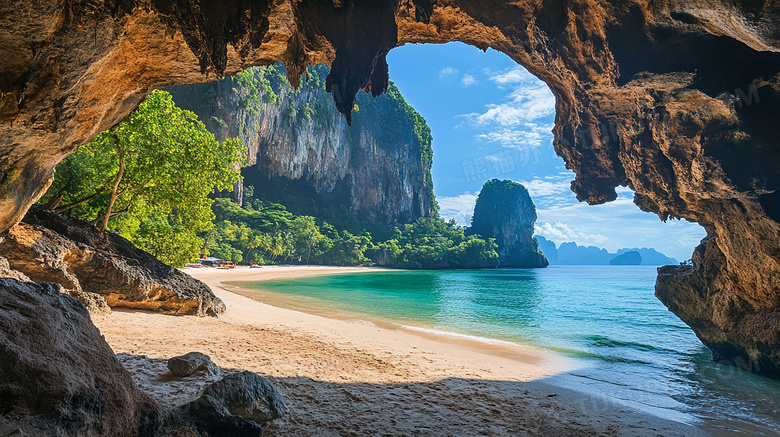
[(190, 363), (48, 248)]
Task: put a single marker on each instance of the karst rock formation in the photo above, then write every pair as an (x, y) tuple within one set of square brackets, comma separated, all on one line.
[(677, 99), (504, 211)]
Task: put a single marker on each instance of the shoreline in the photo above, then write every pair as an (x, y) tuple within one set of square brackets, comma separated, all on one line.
[(495, 346), (344, 376)]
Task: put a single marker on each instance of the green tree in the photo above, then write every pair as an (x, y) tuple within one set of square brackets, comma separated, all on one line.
[(307, 236), (149, 178), (432, 243)]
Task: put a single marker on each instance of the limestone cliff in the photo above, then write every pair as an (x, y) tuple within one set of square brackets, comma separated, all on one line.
[(300, 145), (676, 99), (505, 211)]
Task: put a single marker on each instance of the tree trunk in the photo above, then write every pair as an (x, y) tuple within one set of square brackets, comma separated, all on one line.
[(61, 209), (116, 185), (54, 202)]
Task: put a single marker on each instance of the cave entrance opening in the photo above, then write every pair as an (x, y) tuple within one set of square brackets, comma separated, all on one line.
[(491, 118)]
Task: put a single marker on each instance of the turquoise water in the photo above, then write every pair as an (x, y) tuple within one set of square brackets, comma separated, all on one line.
[(629, 347)]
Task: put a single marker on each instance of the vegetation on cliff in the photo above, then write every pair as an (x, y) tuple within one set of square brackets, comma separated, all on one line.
[(432, 243), (149, 179), (300, 144), (265, 232), (505, 211)]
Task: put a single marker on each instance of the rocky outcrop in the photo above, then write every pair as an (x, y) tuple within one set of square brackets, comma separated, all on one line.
[(100, 270), (676, 99), (7, 272), (726, 319), (58, 376), (300, 146), (650, 257), (505, 211), (238, 405), (190, 363)]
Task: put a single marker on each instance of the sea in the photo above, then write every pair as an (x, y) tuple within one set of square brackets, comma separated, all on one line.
[(628, 348)]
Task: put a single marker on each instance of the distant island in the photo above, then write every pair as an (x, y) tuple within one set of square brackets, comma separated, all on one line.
[(630, 258), (571, 253)]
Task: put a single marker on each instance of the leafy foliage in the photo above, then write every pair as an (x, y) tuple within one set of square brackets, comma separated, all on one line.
[(432, 243), (151, 176), (267, 233)]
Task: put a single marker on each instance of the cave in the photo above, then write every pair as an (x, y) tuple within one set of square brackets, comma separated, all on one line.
[(676, 101)]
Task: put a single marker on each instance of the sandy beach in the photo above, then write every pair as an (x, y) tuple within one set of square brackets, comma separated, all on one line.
[(345, 376)]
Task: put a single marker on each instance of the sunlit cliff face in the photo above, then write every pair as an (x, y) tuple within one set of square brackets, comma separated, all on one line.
[(677, 100)]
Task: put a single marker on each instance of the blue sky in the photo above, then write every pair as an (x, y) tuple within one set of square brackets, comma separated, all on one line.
[(490, 118)]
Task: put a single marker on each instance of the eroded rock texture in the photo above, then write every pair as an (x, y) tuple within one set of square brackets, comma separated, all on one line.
[(676, 99), (102, 272), (58, 376)]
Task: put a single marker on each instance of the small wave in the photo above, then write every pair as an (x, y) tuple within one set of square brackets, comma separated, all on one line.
[(606, 358), (601, 341), (362, 322), (485, 340)]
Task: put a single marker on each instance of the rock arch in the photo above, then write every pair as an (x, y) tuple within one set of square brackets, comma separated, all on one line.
[(677, 99)]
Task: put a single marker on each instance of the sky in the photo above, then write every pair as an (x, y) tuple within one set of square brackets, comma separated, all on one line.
[(490, 118)]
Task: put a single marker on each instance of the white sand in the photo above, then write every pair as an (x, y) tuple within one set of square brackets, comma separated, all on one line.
[(349, 377)]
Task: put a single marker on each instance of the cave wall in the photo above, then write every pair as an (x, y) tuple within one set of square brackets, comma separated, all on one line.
[(677, 99)]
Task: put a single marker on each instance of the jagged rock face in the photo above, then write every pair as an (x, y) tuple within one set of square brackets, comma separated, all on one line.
[(505, 211), (676, 99), (7, 272), (102, 270), (378, 167), (58, 376)]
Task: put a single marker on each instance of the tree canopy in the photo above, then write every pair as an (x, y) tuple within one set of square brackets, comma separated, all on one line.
[(149, 178), (265, 232)]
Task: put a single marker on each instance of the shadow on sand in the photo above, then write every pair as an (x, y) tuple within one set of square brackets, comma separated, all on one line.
[(446, 407)]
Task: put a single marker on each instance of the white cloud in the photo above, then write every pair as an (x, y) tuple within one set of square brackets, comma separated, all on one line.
[(468, 79), (514, 123), (528, 136), (460, 207), (527, 102), (561, 233), (540, 188), (447, 71), (511, 76)]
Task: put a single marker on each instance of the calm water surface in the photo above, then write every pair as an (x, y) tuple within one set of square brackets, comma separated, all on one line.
[(629, 347)]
